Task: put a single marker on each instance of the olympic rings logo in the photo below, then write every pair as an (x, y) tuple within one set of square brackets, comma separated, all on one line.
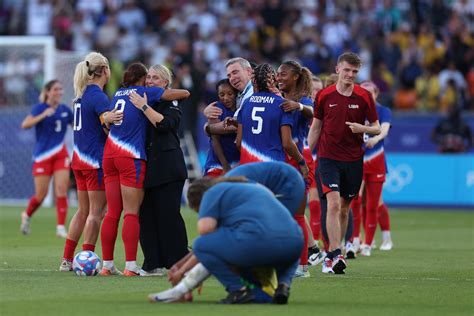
[(398, 177)]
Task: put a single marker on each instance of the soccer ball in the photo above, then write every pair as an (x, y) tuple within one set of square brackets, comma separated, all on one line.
[(86, 263)]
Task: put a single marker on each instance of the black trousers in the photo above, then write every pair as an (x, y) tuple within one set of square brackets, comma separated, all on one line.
[(163, 235)]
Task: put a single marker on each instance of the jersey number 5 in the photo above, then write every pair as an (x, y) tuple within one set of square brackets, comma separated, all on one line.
[(257, 130), (77, 117)]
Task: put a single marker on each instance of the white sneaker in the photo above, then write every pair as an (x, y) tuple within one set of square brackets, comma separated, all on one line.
[(365, 250), (356, 244), (317, 258), (65, 266), (25, 224), (386, 245), (327, 266), (350, 251), (167, 296), (154, 272), (302, 272), (339, 265), (61, 231)]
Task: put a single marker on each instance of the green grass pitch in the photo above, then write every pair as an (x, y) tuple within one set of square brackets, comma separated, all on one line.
[(429, 272)]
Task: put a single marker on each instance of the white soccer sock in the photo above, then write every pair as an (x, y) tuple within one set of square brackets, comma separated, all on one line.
[(108, 264), (131, 266), (386, 235), (194, 277), (60, 227)]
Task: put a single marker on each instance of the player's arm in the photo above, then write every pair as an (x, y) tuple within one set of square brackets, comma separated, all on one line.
[(372, 129), (177, 271), (291, 149), (31, 120), (306, 110), (140, 103), (238, 138), (110, 117), (211, 111), (206, 225), (314, 133), (175, 94), (384, 128)]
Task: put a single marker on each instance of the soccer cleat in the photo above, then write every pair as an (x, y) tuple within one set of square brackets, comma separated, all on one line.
[(61, 232), (238, 297), (25, 224), (365, 250), (356, 244), (386, 245), (168, 296), (302, 272), (131, 273), (65, 266), (282, 294), (350, 251), (339, 264), (327, 266), (153, 272), (110, 271), (317, 258)]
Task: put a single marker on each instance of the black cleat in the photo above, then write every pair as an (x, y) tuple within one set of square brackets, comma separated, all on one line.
[(282, 294), (238, 297)]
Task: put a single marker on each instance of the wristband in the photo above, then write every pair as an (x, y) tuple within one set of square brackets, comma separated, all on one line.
[(144, 107), (302, 162), (301, 107)]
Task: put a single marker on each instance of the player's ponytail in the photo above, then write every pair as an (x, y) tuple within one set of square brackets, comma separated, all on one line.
[(197, 189), (91, 67), (304, 81)]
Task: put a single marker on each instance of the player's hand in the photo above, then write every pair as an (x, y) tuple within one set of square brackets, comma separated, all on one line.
[(113, 117), (371, 142), (230, 122), (212, 111), (49, 111), (304, 171), (290, 105), (138, 100), (175, 277), (356, 128)]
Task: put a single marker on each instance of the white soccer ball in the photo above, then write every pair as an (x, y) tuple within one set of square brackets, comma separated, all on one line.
[(86, 263)]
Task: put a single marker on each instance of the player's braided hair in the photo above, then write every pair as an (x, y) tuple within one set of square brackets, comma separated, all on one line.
[(197, 189), (263, 76)]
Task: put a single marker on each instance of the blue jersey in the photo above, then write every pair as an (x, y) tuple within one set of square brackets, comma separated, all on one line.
[(248, 208), (299, 132), (374, 158), (227, 141), (282, 179), (89, 137), (262, 117), (50, 131), (127, 138)]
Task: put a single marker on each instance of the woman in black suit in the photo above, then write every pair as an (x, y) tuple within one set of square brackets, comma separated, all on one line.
[(162, 231)]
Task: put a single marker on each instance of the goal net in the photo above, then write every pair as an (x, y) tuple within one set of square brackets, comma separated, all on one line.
[(26, 64)]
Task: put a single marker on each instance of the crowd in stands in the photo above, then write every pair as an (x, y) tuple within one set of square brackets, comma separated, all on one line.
[(419, 53)]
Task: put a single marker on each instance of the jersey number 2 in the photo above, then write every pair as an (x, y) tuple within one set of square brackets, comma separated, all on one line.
[(257, 130)]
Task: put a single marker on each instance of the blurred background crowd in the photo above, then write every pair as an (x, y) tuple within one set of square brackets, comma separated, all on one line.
[(419, 52)]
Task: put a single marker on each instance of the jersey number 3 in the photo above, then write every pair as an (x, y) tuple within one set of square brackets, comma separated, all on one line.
[(256, 118)]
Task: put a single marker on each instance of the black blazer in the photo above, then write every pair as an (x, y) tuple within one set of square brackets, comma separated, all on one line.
[(165, 158)]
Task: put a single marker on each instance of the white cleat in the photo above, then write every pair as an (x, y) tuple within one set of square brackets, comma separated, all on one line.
[(61, 231), (25, 224), (373, 245), (386, 245), (365, 250), (350, 251), (65, 266), (154, 272), (302, 272), (327, 266), (356, 244), (317, 258), (168, 296)]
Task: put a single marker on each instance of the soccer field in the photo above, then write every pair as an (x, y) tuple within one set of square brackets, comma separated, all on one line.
[(429, 272)]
